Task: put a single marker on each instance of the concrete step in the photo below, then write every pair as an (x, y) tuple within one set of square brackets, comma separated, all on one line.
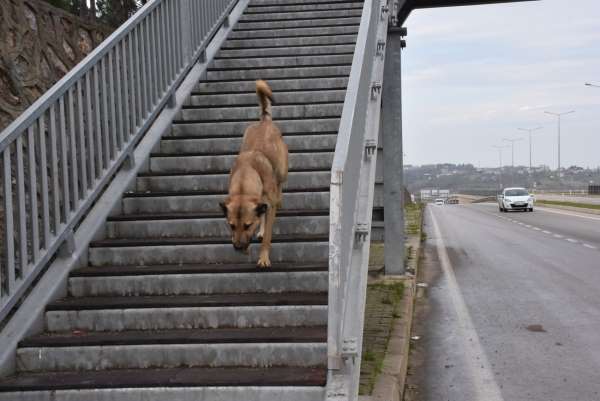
[(181, 145), (284, 51), (282, 98), (280, 61), (253, 335), (186, 318), (277, 85), (236, 128), (201, 269), (99, 357), (170, 251), (203, 227), (278, 73), (289, 41), (251, 113), (177, 203), (299, 7), (186, 163), (291, 15), (293, 32), (268, 3), (185, 384), (219, 183), (346, 19), (296, 280)]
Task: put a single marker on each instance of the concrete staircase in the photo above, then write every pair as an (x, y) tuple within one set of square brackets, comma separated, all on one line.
[(166, 309)]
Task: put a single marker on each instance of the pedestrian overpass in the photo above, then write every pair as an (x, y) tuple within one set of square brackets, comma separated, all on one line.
[(118, 280)]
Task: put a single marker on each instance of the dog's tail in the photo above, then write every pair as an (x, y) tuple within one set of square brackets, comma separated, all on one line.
[(265, 98)]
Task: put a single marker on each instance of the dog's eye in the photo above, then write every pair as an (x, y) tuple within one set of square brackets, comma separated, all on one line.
[(247, 226)]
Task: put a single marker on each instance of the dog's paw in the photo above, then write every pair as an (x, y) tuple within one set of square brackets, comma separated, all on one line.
[(259, 238), (263, 262)]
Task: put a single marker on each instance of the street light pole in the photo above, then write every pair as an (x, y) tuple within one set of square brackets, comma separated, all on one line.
[(530, 131), (512, 142), (499, 148), (512, 170), (559, 115)]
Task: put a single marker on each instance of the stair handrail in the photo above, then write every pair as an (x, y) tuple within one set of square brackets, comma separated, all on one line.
[(63, 151), (351, 201)]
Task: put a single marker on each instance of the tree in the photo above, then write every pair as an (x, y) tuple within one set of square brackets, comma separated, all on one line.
[(110, 12)]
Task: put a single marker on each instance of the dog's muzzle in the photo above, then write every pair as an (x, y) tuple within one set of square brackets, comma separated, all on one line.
[(241, 247)]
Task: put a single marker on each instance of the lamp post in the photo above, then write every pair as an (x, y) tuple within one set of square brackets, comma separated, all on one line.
[(512, 143), (530, 131), (559, 115), (499, 148), (512, 170)]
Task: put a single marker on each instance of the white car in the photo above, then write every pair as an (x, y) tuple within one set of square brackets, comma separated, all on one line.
[(439, 201), (515, 199)]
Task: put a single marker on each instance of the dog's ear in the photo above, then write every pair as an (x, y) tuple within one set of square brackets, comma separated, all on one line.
[(261, 209), (223, 206)]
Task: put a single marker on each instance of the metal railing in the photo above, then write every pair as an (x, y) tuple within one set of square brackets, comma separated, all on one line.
[(58, 156), (351, 202)]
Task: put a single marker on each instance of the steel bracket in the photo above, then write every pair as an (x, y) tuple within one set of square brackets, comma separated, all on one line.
[(380, 48), (370, 147), (226, 22), (349, 349), (361, 232), (384, 10), (375, 90)]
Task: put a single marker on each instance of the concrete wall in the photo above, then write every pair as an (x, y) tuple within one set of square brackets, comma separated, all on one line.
[(38, 45)]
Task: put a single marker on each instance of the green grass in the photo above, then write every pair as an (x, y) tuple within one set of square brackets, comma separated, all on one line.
[(570, 204), (412, 217), (388, 295)]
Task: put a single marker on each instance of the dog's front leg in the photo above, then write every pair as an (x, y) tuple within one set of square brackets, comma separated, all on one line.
[(265, 247), (261, 228)]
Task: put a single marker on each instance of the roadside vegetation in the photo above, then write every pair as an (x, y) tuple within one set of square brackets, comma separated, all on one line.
[(384, 300), (382, 309)]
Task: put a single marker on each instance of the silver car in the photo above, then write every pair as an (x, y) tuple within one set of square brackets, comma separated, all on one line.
[(515, 199)]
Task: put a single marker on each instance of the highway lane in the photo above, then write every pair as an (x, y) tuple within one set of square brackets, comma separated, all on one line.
[(561, 224), (511, 313)]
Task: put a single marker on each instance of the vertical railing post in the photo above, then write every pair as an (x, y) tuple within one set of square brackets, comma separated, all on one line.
[(186, 30), (393, 185)]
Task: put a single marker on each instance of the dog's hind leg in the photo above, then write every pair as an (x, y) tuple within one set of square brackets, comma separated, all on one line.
[(265, 247)]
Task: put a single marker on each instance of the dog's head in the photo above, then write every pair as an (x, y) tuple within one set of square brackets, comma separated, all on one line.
[(243, 217)]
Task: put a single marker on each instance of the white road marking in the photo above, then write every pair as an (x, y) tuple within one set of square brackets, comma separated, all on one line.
[(574, 241), (527, 225), (481, 371), (537, 229), (546, 232), (558, 236), (590, 246), (569, 214)]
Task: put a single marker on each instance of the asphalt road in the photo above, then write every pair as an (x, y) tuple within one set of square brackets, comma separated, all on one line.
[(512, 311)]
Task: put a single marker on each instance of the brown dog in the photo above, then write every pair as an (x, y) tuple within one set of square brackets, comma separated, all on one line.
[(256, 180)]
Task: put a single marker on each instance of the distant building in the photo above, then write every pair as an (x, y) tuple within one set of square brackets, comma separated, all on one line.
[(430, 194)]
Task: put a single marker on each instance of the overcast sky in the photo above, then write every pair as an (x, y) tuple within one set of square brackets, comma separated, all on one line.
[(474, 75)]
